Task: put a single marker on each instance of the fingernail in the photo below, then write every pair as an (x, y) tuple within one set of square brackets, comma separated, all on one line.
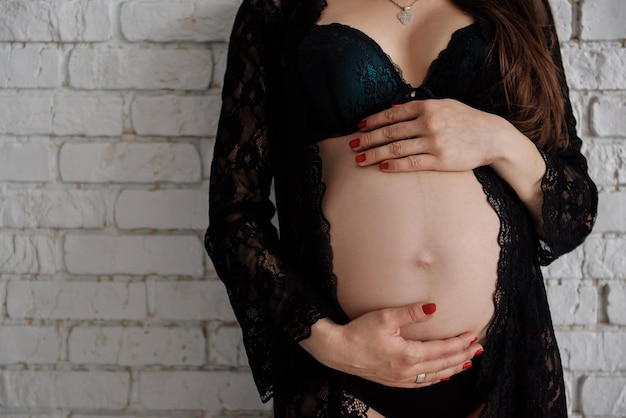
[(444, 379), (429, 308), (395, 105), (360, 158), (362, 124), (474, 340), (479, 352), (355, 143), (467, 365), (384, 166)]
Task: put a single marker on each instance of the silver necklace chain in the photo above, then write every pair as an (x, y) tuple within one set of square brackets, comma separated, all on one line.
[(404, 16)]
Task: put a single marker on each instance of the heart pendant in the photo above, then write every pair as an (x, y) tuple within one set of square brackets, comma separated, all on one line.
[(404, 17)]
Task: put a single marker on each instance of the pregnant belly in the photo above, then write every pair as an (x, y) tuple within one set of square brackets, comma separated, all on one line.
[(402, 238)]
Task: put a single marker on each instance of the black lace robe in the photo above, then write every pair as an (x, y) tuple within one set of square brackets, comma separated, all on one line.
[(279, 286)]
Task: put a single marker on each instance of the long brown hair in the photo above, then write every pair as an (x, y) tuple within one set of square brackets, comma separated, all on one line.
[(531, 80)]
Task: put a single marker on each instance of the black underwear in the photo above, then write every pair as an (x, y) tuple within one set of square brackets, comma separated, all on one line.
[(455, 398)]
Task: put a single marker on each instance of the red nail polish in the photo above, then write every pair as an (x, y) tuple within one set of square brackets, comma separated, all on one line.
[(479, 352), (467, 365), (384, 166), (362, 124), (355, 143), (445, 379), (474, 340), (429, 308), (360, 158), (395, 105)]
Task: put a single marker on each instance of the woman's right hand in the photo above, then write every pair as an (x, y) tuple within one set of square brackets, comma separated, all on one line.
[(371, 347)]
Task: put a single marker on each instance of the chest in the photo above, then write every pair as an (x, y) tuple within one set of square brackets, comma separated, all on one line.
[(345, 75)]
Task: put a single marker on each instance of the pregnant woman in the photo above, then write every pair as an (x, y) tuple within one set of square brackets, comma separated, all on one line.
[(425, 162)]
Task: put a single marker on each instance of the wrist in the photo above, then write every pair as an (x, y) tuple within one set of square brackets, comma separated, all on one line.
[(506, 140), (323, 343), (515, 154)]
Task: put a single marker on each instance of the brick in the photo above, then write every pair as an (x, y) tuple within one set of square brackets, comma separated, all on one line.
[(61, 115), (581, 350), (573, 303), (568, 266), (162, 209), (607, 161), (88, 115), (27, 254), (57, 20), (612, 69), (3, 293), (141, 415), (614, 348), (562, 11), (616, 304), (164, 21), (603, 19), (171, 115), (134, 254), (581, 66), (609, 116), (25, 208), (76, 300), (25, 115), (220, 55), (594, 67), (604, 396), (130, 162), (606, 257), (206, 150), (31, 65), (64, 389), (226, 347), (211, 391), (611, 210), (140, 68), (29, 344), (592, 351), (570, 381), (48, 415), (38, 157), (192, 300), (137, 346)]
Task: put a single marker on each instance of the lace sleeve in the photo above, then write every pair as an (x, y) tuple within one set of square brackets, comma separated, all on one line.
[(570, 197), (268, 297)]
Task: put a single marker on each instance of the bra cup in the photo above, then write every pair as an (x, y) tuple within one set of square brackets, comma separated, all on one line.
[(344, 80)]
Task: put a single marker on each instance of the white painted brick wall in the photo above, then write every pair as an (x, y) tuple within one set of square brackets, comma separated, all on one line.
[(77, 300), (65, 389), (109, 306), (137, 346), (122, 162)]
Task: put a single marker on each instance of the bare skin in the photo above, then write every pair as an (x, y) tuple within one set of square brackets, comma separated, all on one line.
[(415, 141), (410, 237)]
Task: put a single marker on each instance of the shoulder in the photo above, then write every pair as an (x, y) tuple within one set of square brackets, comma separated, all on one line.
[(259, 13), (288, 17)]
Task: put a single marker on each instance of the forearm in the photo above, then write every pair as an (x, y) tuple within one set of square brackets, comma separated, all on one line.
[(520, 164)]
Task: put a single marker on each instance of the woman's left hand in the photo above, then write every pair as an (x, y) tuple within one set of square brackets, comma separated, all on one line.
[(434, 134)]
